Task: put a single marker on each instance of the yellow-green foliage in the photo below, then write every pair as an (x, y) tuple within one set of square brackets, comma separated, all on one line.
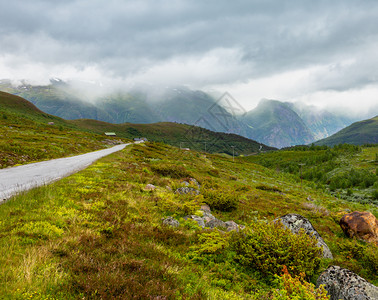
[(270, 247), (213, 242), (172, 171), (296, 288), (220, 199), (40, 229), (365, 253)]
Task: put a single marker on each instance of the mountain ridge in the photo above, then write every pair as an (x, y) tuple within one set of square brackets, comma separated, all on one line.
[(272, 122)]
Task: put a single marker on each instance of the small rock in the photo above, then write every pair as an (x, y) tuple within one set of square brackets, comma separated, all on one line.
[(187, 190), (215, 223), (309, 198), (207, 217), (198, 219), (205, 208), (169, 221), (231, 225), (149, 187), (362, 225), (345, 285), (296, 222)]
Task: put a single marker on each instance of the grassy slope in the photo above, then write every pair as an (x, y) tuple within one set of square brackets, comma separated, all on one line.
[(359, 133), (173, 133), (26, 135), (98, 233), (348, 171)]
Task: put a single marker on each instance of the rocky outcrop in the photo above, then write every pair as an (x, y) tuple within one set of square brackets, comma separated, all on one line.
[(189, 187), (169, 221), (207, 220), (215, 223), (345, 285), (362, 225), (187, 190), (297, 222)]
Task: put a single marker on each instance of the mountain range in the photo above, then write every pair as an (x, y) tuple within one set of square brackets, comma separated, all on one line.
[(274, 123), (13, 108)]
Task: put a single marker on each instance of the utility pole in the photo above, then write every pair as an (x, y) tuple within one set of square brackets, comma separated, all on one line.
[(205, 146), (233, 153)]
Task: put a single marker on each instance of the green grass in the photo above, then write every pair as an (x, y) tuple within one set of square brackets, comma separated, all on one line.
[(98, 233)]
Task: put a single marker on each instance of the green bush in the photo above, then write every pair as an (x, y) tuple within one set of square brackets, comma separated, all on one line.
[(172, 171), (270, 247), (297, 288), (223, 200)]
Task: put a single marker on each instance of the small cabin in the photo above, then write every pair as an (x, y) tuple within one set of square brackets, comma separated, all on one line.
[(50, 123), (110, 134)]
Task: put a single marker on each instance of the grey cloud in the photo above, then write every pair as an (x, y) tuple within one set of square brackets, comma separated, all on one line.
[(127, 37)]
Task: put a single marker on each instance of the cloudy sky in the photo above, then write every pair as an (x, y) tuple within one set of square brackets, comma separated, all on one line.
[(319, 52)]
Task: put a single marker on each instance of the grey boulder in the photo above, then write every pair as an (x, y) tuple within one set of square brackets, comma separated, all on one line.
[(296, 222), (345, 285), (169, 221)]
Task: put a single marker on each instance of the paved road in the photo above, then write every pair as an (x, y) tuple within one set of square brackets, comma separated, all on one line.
[(21, 178)]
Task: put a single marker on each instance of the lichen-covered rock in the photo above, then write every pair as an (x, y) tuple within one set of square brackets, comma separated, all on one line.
[(169, 221), (205, 208), (215, 223), (345, 285), (231, 225), (207, 217), (187, 190), (362, 225), (297, 222), (192, 182), (197, 219), (150, 187)]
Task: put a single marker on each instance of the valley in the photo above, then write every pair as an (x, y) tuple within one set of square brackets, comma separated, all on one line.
[(159, 221), (273, 123)]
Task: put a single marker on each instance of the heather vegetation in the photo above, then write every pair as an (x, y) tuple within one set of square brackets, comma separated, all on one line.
[(99, 233), (347, 171)]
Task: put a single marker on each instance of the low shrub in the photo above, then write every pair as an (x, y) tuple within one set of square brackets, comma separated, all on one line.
[(221, 200), (270, 247), (172, 171), (297, 288)]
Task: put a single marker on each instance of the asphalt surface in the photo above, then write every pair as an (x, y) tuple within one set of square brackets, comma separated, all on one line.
[(22, 178)]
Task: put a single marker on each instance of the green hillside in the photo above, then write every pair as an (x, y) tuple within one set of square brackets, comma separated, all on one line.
[(348, 171), (359, 133), (98, 234), (28, 134), (179, 135)]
